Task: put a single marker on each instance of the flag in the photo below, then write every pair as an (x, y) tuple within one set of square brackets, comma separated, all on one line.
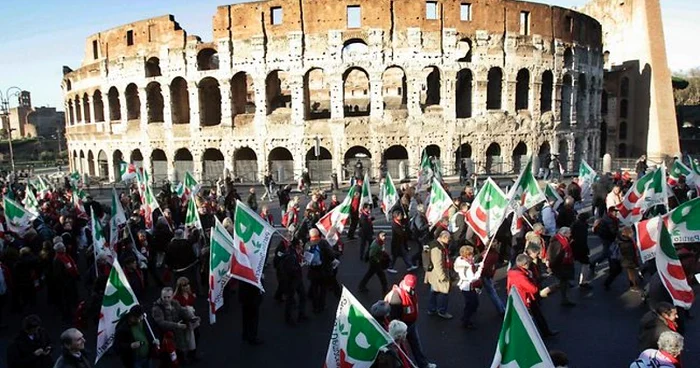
[(677, 170), (524, 194), (646, 193), (440, 202), (18, 219), (75, 179), (366, 191), (331, 225), (389, 196), (99, 243), (191, 184), (488, 210), (30, 202), (683, 222), (40, 185), (695, 166), (117, 301), (127, 171), (425, 173), (251, 238), (220, 252), (648, 237), (519, 343), (356, 338), (552, 195), (192, 217), (150, 206), (586, 177), (671, 271)]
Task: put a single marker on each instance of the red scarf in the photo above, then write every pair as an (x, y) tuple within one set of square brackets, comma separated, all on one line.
[(671, 325), (566, 248), (676, 362), (68, 263)]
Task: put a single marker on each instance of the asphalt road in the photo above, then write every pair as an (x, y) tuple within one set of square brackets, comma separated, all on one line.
[(601, 331)]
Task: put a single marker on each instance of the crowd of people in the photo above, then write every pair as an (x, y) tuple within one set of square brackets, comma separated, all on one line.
[(539, 260)]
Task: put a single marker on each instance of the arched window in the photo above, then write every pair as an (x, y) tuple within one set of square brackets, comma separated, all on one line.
[(622, 134), (464, 94), (209, 102), (464, 50), (133, 102), (86, 108), (317, 95), (568, 58), (242, 94), (179, 101), (98, 106), (394, 88), (546, 91), (494, 89), (431, 88), (153, 67), (522, 90), (115, 109), (356, 92), (207, 59), (624, 106), (355, 47), (624, 87), (566, 95), (277, 91), (154, 103)]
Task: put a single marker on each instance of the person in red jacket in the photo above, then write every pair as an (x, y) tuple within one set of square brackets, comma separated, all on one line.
[(520, 278)]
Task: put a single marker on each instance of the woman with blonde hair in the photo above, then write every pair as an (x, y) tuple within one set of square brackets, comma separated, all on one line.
[(186, 297)]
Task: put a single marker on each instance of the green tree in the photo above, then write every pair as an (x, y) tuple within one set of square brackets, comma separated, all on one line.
[(690, 95)]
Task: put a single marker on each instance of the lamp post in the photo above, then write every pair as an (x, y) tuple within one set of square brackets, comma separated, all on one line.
[(5, 113)]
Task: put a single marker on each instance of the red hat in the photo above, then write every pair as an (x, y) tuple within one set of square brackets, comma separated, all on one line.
[(410, 280)]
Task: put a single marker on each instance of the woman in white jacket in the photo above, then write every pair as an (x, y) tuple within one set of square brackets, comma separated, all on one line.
[(469, 283)]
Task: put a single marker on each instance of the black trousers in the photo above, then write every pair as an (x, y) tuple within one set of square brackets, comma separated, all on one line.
[(354, 219), (250, 314), (317, 289), (614, 271), (294, 290), (538, 317), (374, 269)]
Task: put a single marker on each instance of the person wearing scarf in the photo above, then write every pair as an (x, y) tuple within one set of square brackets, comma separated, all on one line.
[(561, 261), (668, 355), (66, 276)]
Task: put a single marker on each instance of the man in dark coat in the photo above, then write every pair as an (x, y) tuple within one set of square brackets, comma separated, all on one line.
[(366, 231), (132, 340), (292, 283), (32, 346), (180, 258), (579, 244), (399, 242), (661, 319), (73, 354), (561, 261)]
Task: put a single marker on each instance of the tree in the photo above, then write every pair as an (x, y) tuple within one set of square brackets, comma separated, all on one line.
[(690, 95)]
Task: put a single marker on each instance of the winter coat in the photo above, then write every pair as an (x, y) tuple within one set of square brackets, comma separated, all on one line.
[(366, 226), (439, 277), (123, 339), (565, 216), (399, 238), (67, 360), (628, 252), (579, 241), (252, 202), (180, 254), (561, 259), (650, 328), (167, 320), (20, 353), (524, 284)]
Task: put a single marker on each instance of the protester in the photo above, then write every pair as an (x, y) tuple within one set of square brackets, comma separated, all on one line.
[(31, 348), (439, 277), (366, 231), (399, 243), (561, 261), (623, 258), (133, 342), (378, 262), (73, 353), (469, 283), (170, 316), (663, 318)]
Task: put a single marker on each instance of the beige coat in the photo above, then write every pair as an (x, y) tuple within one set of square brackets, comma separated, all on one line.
[(439, 277)]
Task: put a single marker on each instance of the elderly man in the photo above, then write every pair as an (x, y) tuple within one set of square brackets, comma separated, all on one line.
[(667, 355), (438, 275), (320, 272), (170, 316), (561, 261), (73, 354)]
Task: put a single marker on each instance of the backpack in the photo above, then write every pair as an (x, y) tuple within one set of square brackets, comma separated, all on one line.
[(644, 363), (425, 257)]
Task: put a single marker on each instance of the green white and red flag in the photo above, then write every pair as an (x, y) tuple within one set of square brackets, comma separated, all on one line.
[(331, 225), (646, 193), (524, 194), (552, 195), (127, 171), (191, 184), (586, 177), (519, 343), (356, 338), (671, 271), (425, 173), (117, 301), (251, 239), (99, 243), (677, 170), (220, 252), (648, 232), (683, 223), (40, 185), (18, 219), (192, 217), (77, 197), (30, 202), (366, 197), (695, 166), (389, 196), (440, 202), (150, 205), (488, 210)]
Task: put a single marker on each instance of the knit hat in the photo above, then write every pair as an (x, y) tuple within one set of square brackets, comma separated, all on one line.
[(397, 330), (380, 309), (59, 246)]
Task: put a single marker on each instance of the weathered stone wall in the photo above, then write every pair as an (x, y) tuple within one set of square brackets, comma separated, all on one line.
[(393, 86)]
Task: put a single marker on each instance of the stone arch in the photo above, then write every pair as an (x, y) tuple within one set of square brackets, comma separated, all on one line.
[(463, 154), (98, 106), (183, 162), (464, 49), (117, 159), (91, 163), (245, 165), (522, 90), (209, 102), (207, 59), (115, 108), (622, 150), (568, 58), (566, 95), (582, 98), (624, 87), (564, 153), (356, 92), (465, 81), (396, 158), (133, 102), (277, 91), (394, 94), (76, 163), (622, 134), (86, 108), (354, 154), (354, 47), (545, 149), (494, 89), (546, 91), (154, 103), (136, 158), (281, 164), (520, 157), (624, 107), (321, 168), (71, 115), (494, 160), (179, 101), (317, 95), (159, 165), (430, 91), (153, 67), (102, 165), (242, 94), (212, 165), (82, 162), (432, 150), (78, 111)]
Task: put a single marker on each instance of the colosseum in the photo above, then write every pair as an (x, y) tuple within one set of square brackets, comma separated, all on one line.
[(487, 83)]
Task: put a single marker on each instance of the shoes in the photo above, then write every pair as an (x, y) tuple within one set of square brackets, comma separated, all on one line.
[(255, 342), (391, 270), (431, 365), (445, 315), (585, 285), (432, 313), (412, 268), (568, 303), (635, 289)]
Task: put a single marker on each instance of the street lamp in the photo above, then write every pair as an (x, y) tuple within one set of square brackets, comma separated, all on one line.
[(5, 113)]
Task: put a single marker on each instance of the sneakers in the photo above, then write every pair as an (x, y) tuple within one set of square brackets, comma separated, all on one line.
[(445, 315), (412, 268), (391, 270), (431, 313), (431, 365)]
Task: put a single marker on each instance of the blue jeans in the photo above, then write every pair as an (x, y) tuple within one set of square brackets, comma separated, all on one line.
[(437, 302), (416, 348), (142, 363), (471, 303), (403, 255), (493, 295)]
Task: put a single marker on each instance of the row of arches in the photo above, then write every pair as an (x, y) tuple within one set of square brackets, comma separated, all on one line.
[(278, 88)]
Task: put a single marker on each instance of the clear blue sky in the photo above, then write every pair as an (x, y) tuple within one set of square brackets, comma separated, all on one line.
[(39, 37)]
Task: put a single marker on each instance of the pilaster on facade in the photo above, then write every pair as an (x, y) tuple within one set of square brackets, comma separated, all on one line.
[(296, 85), (335, 84), (193, 92), (143, 100), (225, 93), (167, 109), (91, 108), (376, 99)]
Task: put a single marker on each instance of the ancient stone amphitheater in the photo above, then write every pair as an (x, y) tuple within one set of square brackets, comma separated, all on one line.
[(488, 83)]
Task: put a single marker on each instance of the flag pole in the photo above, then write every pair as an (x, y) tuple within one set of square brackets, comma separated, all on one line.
[(150, 330)]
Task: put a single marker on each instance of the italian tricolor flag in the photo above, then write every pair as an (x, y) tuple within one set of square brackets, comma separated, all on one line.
[(671, 271), (192, 218), (127, 171), (683, 223), (519, 343), (488, 210), (366, 191), (440, 202), (251, 238), (150, 205), (553, 196), (220, 252), (331, 225), (586, 176), (389, 196), (646, 193), (524, 194), (31, 203), (679, 169), (18, 219)]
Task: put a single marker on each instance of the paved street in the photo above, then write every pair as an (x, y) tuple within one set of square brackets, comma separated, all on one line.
[(600, 332)]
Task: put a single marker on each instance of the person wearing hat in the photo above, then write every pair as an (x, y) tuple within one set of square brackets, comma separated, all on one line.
[(404, 307), (132, 340), (31, 348), (380, 311)]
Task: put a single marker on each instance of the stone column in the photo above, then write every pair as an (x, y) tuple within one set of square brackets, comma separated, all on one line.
[(336, 85), (534, 103), (508, 91), (197, 165), (79, 107), (260, 99), (171, 168), (448, 85), (143, 99), (228, 163), (194, 106), (413, 86), (571, 142), (110, 169), (225, 91), (167, 110), (91, 107), (376, 99), (479, 94), (296, 85), (105, 113), (122, 107), (556, 100), (574, 100), (147, 163)]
